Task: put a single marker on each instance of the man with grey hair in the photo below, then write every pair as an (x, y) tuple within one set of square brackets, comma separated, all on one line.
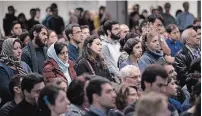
[(124, 30), (189, 52), (131, 75)]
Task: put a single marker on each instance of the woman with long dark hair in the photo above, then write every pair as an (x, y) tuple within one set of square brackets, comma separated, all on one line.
[(91, 61)]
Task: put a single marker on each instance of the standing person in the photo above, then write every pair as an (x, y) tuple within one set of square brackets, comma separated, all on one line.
[(167, 17), (52, 101), (56, 22), (38, 14), (10, 65), (101, 96), (185, 18), (32, 21), (31, 86), (133, 47), (174, 40), (189, 52), (74, 35), (48, 16), (111, 46), (23, 21), (8, 19), (91, 61), (15, 89), (34, 54), (58, 65)]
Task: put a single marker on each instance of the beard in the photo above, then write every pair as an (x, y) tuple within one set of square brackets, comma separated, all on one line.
[(39, 42), (115, 37)]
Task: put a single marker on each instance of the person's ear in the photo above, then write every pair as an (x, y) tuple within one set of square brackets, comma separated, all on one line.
[(96, 97), (70, 35), (35, 33), (12, 32), (109, 32), (17, 89), (147, 85)]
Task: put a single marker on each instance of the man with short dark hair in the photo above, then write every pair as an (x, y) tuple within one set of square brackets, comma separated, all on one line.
[(15, 89), (32, 21), (101, 96), (16, 29), (111, 46), (8, 19), (185, 18), (31, 86), (85, 30), (74, 35), (167, 17), (35, 53), (173, 40)]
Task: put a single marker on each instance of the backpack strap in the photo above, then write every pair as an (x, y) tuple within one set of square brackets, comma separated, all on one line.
[(91, 68)]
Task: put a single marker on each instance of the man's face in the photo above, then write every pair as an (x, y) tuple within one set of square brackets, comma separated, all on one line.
[(124, 30), (154, 44), (160, 85), (77, 35), (186, 6), (171, 71), (33, 96), (158, 24), (175, 34), (107, 97), (134, 79), (17, 30), (194, 39), (41, 37), (115, 32), (85, 33), (199, 34)]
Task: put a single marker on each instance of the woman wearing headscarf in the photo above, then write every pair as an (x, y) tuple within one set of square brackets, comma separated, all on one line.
[(10, 65), (59, 65)]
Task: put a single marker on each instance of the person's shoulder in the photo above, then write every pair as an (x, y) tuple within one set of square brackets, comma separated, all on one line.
[(90, 113)]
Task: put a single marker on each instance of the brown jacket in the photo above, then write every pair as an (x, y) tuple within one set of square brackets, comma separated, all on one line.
[(52, 70)]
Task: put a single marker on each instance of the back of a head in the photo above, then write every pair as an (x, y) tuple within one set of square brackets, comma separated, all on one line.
[(30, 80), (94, 87), (153, 17), (15, 82), (150, 104), (151, 72), (128, 70), (75, 92)]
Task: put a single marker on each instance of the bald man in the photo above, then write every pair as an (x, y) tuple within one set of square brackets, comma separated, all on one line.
[(131, 75), (124, 29), (189, 53)]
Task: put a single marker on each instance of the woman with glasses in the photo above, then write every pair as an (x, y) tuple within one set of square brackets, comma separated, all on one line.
[(59, 65)]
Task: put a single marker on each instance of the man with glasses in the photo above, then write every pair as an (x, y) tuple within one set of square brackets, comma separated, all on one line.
[(74, 35), (189, 53), (174, 42), (15, 90)]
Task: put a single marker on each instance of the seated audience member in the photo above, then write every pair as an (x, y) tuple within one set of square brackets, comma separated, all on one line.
[(198, 31), (31, 86), (10, 65), (174, 41), (91, 61), (52, 101), (16, 29), (126, 94), (52, 38), (15, 89), (152, 104), (124, 31), (75, 94), (133, 47), (189, 53), (24, 38), (85, 33), (101, 96), (60, 82), (59, 65)]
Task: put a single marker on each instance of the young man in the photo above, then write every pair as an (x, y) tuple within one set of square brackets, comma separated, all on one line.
[(111, 46), (31, 86), (35, 53), (173, 41), (16, 29), (101, 96), (85, 33), (74, 35), (32, 21), (189, 53)]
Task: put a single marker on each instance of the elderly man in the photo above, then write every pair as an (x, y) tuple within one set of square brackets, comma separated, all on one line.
[(131, 75), (124, 29), (189, 52)]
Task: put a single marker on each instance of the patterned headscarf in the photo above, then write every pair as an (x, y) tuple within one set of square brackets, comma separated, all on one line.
[(7, 58)]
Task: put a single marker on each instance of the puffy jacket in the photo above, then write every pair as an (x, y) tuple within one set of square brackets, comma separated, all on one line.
[(52, 70), (183, 61)]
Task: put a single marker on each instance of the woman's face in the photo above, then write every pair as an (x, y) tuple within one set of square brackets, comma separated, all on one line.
[(63, 85), (61, 103), (137, 50), (63, 55), (17, 50), (172, 88), (96, 46), (26, 40), (52, 38), (132, 96)]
